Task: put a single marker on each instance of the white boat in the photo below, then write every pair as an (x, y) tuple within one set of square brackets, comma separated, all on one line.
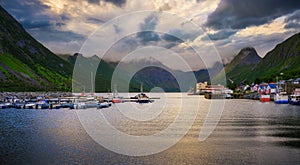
[(281, 98), (30, 105), (85, 102), (294, 99), (103, 105)]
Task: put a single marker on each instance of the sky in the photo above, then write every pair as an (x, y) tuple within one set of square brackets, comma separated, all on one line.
[(64, 26)]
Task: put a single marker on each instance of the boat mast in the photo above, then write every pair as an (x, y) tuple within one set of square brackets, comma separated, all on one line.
[(115, 91), (92, 85), (277, 89)]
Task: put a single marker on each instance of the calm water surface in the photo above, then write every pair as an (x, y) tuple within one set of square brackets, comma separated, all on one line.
[(249, 132)]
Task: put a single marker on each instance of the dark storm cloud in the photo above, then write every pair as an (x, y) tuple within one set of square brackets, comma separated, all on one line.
[(222, 34), (148, 36), (149, 23), (48, 34), (95, 20), (147, 30), (42, 27), (293, 21), (238, 14), (30, 14), (171, 38), (25, 9), (118, 3), (94, 1), (28, 24)]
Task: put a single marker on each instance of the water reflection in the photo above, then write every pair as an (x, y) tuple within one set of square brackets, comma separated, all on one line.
[(249, 132)]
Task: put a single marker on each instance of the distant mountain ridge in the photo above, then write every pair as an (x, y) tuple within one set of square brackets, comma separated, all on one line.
[(150, 73)]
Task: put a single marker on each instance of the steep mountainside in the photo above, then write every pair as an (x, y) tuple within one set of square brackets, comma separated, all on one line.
[(247, 66), (239, 69), (284, 58), (25, 64)]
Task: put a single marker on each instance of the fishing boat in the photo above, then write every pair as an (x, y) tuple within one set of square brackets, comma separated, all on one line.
[(281, 98), (264, 98), (5, 105), (294, 99), (30, 105), (42, 104), (116, 98), (104, 104), (142, 97)]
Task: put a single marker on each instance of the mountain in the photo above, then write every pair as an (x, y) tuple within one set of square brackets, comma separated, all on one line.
[(284, 58), (242, 65), (25, 64), (247, 66), (149, 72)]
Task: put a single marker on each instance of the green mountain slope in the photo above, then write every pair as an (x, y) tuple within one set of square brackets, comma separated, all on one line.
[(25, 63), (284, 58), (248, 67), (241, 67)]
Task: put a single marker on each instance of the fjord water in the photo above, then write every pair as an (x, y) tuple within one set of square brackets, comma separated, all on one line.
[(249, 132)]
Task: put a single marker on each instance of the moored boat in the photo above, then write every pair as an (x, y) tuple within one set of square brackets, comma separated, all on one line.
[(281, 98), (294, 99), (104, 104), (143, 98), (264, 98)]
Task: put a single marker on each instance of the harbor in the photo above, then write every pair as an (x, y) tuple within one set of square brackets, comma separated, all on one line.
[(57, 137), (63, 100), (280, 92)]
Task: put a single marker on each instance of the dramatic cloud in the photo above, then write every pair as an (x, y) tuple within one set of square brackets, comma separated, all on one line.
[(228, 25), (222, 34), (115, 2), (293, 21), (237, 14), (147, 29)]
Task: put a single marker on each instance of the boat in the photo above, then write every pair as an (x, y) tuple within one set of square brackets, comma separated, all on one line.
[(30, 105), (294, 99), (281, 98), (116, 98), (85, 102), (104, 104), (42, 105), (66, 103), (265, 98), (142, 97)]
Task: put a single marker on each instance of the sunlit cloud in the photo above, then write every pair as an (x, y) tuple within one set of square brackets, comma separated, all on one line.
[(228, 25)]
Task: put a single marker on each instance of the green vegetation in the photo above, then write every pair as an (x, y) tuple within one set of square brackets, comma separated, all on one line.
[(284, 58)]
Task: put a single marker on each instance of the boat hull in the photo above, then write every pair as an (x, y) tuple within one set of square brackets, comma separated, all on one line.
[(295, 102), (116, 101), (281, 99), (294, 99), (265, 98)]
